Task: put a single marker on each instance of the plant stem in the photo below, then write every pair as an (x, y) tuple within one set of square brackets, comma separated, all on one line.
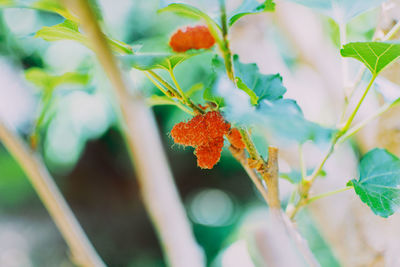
[(352, 131), (392, 32), (171, 73), (156, 84), (351, 118), (271, 178), (302, 162), (344, 61), (240, 156), (363, 69), (225, 49), (170, 88), (351, 91), (249, 145), (174, 92), (330, 193), (307, 183), (158, 190), (82, 252)]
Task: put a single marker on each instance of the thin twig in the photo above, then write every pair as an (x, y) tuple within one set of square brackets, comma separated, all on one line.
[(82, 252), (159, 193)]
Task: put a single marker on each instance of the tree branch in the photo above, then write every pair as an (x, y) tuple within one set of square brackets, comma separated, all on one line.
[(82, 252)]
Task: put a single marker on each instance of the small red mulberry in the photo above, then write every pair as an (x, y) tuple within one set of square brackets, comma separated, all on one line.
[(197, 37), (205, 133), (208, 155), (235, 138)]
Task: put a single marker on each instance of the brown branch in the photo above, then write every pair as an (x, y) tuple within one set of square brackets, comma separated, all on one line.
[(240, 155), (82, 251), (159, 193), (271, 178)]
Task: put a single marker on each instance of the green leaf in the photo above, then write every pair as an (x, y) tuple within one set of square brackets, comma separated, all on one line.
[(375, 55), (273, 115), (54, 6), (340, 10), (294, 176), (253, 97), (379, 182), (281, 119), (249, 7), (187, 10), (48, 82), (156, 100), (194, 89), (209, 96), (258, 86), (69, 30), (148, 61)]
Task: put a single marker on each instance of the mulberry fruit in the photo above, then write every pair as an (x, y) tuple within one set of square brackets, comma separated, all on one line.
[(197, 37), (208, 155), (205, 133), (235, 138)]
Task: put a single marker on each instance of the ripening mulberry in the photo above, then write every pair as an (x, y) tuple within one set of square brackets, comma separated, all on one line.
[(235, 138), (205, 133), (208, 155), (197, 37)]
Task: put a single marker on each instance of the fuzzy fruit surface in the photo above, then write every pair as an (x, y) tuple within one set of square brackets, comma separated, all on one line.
[(205, 133), (235, 138), (197, 37)]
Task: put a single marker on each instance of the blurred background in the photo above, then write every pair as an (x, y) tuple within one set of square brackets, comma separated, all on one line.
[(82, 145)]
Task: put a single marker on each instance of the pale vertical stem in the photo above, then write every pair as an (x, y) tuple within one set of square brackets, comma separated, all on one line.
[(159, 193), (345, 63), (83, 253)]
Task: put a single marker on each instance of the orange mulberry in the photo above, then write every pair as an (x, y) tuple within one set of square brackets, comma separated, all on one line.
[(197, 37), (205, 133), (235, 138), (208, 155)]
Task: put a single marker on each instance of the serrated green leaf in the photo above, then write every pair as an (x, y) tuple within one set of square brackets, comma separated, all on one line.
[(281, 119), (379, 183), (340, 10), (376, 56), (69, 30), (258, 86), (148, 61), (249, 7)]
